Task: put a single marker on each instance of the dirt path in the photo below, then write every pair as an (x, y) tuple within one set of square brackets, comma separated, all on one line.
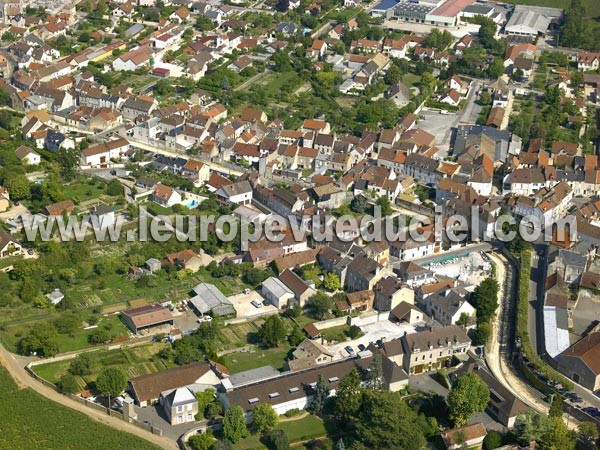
[(23, 380)]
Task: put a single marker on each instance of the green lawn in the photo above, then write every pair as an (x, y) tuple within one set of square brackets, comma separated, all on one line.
[(238, 335), (274, 82), (338, 334), (10, 334), (30, 421), (239, 362), (115, 289), (80, 191), (410, 79), (308, 427), (134, 361)]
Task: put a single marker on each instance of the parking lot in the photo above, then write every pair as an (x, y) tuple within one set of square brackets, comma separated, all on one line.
[(383, 329), (185, 321), (244, 307)]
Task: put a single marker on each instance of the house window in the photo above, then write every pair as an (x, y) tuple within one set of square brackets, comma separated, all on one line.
[(179, 419), (190, 417), (180, 409)]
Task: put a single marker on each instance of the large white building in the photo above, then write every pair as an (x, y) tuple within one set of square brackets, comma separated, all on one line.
[(532, 20)]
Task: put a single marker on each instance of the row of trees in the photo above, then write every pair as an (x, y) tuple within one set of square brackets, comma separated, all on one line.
[(485, 300)]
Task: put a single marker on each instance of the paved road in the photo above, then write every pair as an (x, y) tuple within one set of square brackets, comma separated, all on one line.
[(497, 352), (181, 154), (16, 367)]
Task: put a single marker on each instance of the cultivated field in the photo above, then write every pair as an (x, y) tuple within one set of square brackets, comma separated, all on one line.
[(25, 416)]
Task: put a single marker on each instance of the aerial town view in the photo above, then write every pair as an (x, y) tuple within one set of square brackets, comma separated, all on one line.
[(308, 224)]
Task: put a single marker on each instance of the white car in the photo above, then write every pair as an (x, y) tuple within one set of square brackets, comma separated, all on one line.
[(257, 303), (204, 319)]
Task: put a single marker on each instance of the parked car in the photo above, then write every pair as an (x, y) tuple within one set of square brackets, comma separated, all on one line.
[(349, 349), (257, 303), (361, 348)]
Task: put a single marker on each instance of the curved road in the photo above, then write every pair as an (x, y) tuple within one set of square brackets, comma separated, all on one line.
[(15, 367), (496, 352)]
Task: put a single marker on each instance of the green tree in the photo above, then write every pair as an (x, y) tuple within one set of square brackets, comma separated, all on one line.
[(496, 69), (321, 393), (213, 410), (42, 340), (18, 187), (481, 334), (331, 281), (68, 160), (386, 421), (68, 323), (348, 395), (354, 331), (587, 436), (319, 304), (375, 373), (265, 417), (556, 408), (203, 441), (485, 98), (68, 383), (492, 441), (234, 424), (487, 32), (359, 204), (485, 299), (204, 399), (386, 207), (272, 332), (82, 365), (114, 188), (469, 394), (557, 436), (295, 337), (393, 75), (111, 381), (278, 440), (203, 23), (100, 336)]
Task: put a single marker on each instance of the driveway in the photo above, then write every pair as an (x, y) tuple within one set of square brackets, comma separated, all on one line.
[(13, 212), (245, 309), (441, 125), (186, 321), (383, 329), (426, 383), (155, 416)]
